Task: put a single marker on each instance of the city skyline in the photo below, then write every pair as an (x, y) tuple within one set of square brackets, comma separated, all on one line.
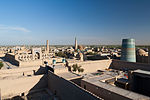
[(93, 22)]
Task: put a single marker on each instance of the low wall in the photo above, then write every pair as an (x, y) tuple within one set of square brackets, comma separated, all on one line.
[(13, 87), (93, 66), (30, 63), (13, 82), (67, 90), (50, 61), (60, 70), (120, 65)]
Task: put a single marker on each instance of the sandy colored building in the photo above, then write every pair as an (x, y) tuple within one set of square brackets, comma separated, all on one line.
[(29, 57)]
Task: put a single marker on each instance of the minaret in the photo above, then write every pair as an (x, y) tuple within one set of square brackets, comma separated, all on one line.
[(47, 46), (76, 45), (128, 50)]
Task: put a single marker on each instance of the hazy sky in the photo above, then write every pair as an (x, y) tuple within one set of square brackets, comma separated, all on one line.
[(59, 21)]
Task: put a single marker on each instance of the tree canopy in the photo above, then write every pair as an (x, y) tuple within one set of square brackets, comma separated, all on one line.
[(1, 64), (78, 68)]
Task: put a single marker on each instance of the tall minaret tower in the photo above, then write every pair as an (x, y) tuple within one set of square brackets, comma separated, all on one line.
[(76, 45), (47, 46)]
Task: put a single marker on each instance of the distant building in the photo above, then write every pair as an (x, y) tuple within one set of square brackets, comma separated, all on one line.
[(80, 47), (29, 57), (141, 56)]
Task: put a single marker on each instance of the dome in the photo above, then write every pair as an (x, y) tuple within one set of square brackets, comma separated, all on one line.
[(141, 52), (80, 47)]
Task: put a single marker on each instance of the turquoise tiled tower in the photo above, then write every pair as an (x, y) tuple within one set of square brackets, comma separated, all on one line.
[(128, 50)]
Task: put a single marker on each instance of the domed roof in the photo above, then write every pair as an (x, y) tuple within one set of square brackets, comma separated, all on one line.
[(141, 52), (80, 47)]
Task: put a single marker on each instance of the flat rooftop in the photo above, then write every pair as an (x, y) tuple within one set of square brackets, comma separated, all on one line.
[(99, 80), (69, 75), (142, 72), (102, 75), (117, 90)]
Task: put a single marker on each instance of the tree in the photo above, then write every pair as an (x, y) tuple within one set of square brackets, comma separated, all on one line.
[(81, 70), (1, 64), (61, 54), (77, 68), (74, 66)]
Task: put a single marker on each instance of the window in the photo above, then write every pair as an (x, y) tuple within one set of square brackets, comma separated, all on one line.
[(84, 87)]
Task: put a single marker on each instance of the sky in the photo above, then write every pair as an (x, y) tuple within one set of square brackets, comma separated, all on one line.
[(93, 22)]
